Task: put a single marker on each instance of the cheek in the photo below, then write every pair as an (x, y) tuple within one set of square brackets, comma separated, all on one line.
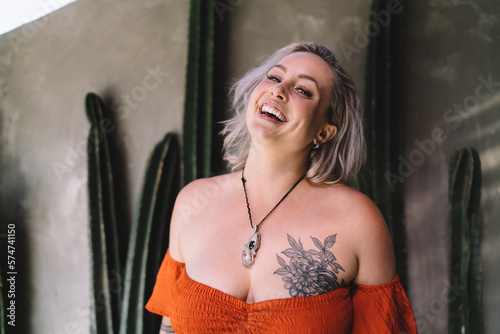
[(314, 118), (310, 111), (259, 89), (252, 101), (256, 94), (251, 106)]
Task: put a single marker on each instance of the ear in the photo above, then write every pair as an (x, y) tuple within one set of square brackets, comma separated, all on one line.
[(327, 133)]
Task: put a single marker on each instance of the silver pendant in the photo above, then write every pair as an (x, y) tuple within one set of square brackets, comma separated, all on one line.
[(250, 248)]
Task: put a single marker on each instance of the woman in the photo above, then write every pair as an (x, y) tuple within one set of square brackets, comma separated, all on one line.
[(282, 244)]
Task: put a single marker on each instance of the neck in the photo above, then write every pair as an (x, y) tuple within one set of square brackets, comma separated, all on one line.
[(271, 173)]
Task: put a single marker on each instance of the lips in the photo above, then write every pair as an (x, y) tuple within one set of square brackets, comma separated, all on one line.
[(273, 113)]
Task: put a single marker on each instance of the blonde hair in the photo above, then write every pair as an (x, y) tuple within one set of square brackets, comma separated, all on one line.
[(338, 160)]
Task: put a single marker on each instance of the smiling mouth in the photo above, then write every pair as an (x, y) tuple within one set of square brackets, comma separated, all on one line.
[(273, 113)]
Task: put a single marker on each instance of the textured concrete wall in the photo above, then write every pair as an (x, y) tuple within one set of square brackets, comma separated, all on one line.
[(258, 28), (451, 49), (133, 54)]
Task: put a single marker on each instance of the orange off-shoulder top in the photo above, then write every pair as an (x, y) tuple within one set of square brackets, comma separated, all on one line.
[(197, 308)]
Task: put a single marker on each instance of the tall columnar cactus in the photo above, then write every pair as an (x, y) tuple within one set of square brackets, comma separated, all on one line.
[(198, 105), (465, 311), (383, 120), (105, 250), (149, 236)]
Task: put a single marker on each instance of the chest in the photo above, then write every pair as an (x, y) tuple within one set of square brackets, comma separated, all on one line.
[(301, 253)]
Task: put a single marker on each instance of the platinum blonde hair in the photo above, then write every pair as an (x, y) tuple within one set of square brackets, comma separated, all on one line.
[(338, 160)]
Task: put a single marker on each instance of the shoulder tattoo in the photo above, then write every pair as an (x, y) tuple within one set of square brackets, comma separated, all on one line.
[(310, 272)]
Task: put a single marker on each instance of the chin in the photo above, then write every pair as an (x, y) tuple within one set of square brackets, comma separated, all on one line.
[(262, 134)]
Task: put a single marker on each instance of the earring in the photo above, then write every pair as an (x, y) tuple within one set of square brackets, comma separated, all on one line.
[(315, 145)]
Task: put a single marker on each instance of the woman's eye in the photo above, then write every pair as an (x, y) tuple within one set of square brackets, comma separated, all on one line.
[(304, 92), (273, 78)]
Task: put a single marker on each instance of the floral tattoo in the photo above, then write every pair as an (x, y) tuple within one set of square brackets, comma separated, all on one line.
[(310, 272)]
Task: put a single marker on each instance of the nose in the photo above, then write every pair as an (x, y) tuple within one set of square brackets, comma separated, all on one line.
[(279, 91)]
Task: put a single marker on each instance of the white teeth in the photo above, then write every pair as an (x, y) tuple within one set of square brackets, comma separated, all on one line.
[(274, 112)]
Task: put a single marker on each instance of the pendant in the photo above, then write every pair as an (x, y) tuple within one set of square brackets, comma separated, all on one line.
[(250, 248)]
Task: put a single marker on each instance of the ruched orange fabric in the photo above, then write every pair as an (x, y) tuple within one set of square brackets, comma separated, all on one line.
[(197, 308)]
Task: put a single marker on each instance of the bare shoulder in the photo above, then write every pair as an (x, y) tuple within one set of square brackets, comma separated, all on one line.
[(194, 200), (209, 187), (351, 203), (359, 207), (197, 196), (369, 234)]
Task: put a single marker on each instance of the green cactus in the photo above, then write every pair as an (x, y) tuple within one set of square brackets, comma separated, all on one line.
[(105, 249), (465, 311), (198, 105), (383, 134), (475, 289), (149, 236)]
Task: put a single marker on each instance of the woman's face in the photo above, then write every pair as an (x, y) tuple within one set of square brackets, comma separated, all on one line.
[(289, 105)]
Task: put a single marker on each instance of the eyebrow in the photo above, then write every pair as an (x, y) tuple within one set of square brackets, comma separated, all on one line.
[(301, 76)]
